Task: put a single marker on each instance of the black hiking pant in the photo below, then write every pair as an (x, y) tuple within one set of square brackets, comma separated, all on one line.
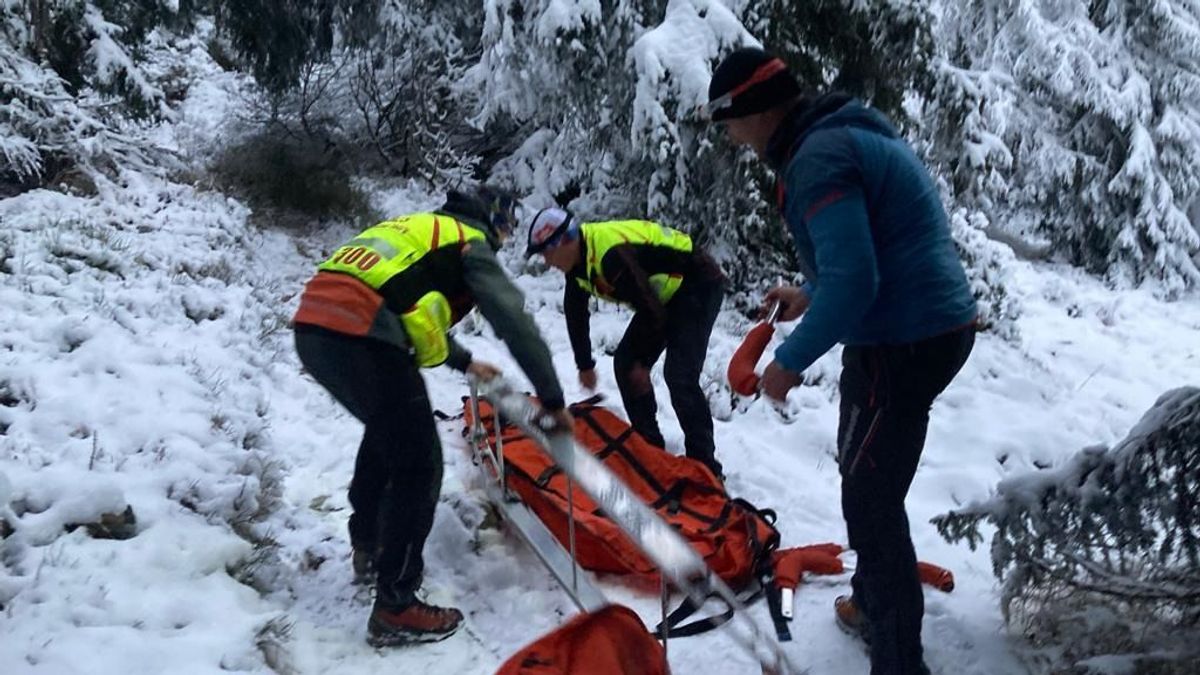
[(690, 317), (398, 470), (886, 394)]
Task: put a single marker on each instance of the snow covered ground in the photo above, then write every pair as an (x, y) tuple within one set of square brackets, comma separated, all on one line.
[(145, 360)]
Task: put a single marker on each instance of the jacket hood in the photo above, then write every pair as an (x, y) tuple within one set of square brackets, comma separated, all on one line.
[(822, 112)]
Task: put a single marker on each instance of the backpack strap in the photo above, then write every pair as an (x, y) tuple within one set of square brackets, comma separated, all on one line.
[(687, 608), (763, 569), (544, 477), (587, 403), (618, 445)]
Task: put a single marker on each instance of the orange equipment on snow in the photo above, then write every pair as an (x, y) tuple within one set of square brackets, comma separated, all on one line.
[(938, 577), (734, 538), (737, 541), (740, 373), (609, 641), (792, 563)]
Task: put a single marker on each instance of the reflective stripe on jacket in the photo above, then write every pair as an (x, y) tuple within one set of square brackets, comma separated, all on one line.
[(412, 268)]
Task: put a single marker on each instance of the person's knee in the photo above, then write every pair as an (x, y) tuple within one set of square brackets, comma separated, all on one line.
[(634, 378), (406, 443), (623, 360), (880, 541), (417, 477)]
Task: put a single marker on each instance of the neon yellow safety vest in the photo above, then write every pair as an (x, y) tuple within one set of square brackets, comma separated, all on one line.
[(390, 249), (600, 237)]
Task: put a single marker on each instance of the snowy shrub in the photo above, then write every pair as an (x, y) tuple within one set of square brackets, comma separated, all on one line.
[(1101, 556), (272, 640), (260, 567), (289, 181), (59, 502), (277, 41), (986, 263), (48, 138), (373, 88)]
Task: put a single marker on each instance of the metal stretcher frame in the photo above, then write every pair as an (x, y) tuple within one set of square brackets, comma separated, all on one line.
[(562, 565)]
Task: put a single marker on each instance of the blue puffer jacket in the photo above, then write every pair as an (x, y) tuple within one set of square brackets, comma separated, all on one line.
[(870, 231)]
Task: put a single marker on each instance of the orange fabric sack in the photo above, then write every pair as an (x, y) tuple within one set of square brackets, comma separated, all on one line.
[(610, 641), (740, 373), (732, 536)]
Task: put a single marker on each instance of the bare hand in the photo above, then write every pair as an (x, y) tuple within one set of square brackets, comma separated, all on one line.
[(482, 370), (792, 302), (588, 379), (777, 381)]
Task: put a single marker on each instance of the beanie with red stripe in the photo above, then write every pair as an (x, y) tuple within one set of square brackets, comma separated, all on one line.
[(749, 81)]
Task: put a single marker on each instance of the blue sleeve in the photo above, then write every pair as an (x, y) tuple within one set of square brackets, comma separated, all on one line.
[(826, 188)]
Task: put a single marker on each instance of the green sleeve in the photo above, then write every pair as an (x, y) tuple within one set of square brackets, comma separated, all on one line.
[(502, 304)]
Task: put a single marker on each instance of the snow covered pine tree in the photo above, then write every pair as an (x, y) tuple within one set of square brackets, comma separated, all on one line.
[(1101, 556)]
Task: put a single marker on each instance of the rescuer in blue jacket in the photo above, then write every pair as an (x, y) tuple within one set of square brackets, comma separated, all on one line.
[(883, 278)]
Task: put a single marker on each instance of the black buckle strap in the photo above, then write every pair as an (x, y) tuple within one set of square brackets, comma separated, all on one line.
[(614, 445), (618, 446), (721, 518), (687, 608), (547, 474), (586, 404), (775, 606)]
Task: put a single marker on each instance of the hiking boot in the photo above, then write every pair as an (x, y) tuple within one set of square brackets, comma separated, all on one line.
[(418, 622), (362, 560), (850, 618)]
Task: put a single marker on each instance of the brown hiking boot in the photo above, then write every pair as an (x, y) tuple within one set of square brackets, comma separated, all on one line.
[(850, 618), (416, 623)]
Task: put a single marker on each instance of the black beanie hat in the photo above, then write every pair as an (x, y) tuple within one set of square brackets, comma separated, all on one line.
[(749, 81), (491, 207)]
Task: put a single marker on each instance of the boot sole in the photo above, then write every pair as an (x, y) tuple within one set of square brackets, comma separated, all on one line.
[(401, 638)]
